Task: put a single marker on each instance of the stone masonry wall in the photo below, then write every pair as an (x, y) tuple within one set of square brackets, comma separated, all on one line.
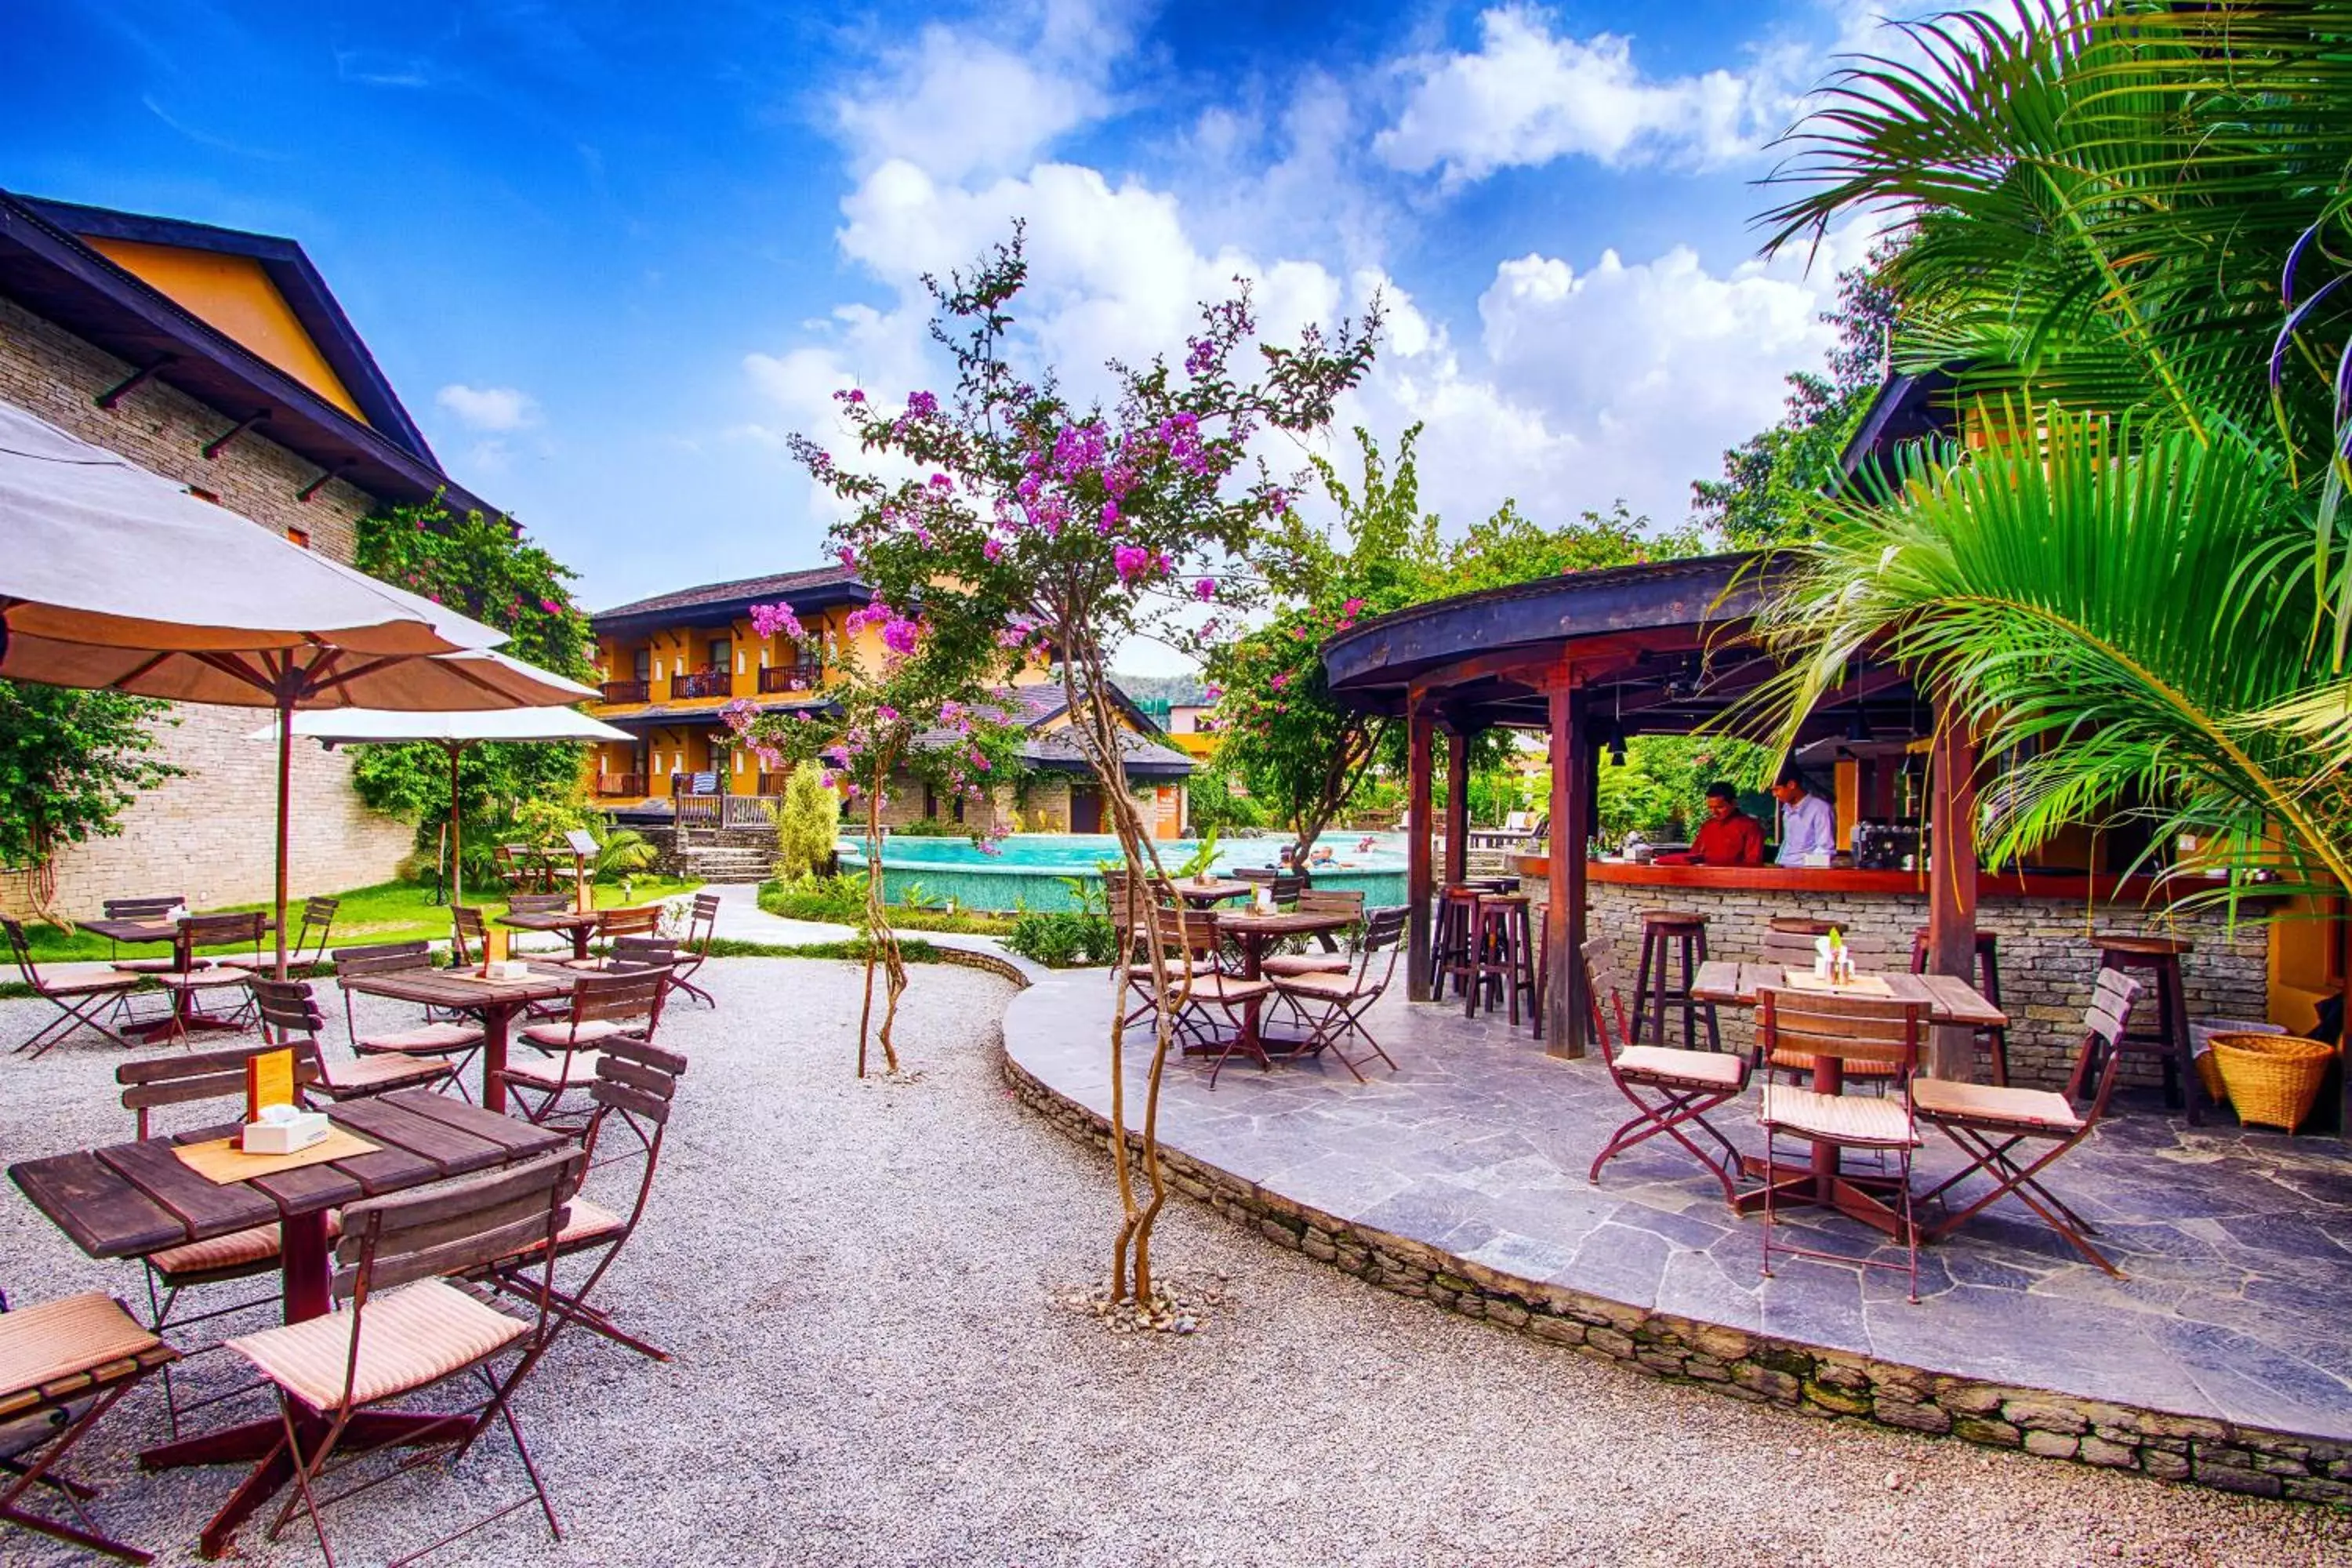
[(1760, 1369), (208, 835), (2047, 963)]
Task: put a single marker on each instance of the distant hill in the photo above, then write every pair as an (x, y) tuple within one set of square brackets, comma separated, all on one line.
[(1176, 691)]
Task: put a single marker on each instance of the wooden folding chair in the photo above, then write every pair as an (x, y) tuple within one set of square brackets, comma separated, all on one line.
[(694, 949), (631, 952), (85, 994), (1990, 1122), (635, 1087), (309, 950), (198, 976), (1206, 1004), (1788, 945), (290, 1017), (1845, 1029), (201, 1078), (408, 1329), (1331, 1006), (604, 1007), (63, 1365), (1331, 960), (469, 935), (1670, 1089), (641, 919), (456, 1039)]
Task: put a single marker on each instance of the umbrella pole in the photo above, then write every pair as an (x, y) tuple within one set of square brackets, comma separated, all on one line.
[(457, 837), (285, 776)]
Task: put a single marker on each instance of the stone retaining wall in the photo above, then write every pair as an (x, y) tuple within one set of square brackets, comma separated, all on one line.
[(1758, 1368), (2047, 963)]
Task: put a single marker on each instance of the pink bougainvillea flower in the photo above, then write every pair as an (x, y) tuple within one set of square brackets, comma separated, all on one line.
[(1350, 607), (1131, 561), (1281, 681), (922, 405), (848, 558), (1205, 589), (994, 549)]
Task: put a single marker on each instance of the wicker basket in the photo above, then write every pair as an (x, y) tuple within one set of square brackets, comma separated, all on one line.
[(2272, 1078)]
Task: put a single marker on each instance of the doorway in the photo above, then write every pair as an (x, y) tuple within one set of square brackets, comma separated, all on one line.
[(1085, 808)]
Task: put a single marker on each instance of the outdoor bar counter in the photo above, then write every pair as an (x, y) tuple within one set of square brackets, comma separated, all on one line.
[(2043, 922)]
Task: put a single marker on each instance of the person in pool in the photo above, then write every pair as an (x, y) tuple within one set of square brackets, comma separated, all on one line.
[(1322, 857)]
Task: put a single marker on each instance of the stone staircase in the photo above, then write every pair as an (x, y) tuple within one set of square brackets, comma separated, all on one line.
[(725, 863)]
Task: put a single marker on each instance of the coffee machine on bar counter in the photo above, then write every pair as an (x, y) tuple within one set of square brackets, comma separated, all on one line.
[(1880, 845)]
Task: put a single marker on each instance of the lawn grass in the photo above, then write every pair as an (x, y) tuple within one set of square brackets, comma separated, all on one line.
[(390, 911), (834, 910)]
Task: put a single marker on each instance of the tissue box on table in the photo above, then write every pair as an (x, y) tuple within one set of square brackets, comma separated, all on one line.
[(283, 1130)]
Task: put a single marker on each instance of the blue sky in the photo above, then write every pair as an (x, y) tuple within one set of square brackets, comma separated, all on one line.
[(611, 253)]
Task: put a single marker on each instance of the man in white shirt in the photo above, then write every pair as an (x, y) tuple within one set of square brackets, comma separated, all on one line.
[(1808, 823)]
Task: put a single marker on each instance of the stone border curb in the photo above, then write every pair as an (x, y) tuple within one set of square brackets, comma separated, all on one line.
[(1759, 1368)]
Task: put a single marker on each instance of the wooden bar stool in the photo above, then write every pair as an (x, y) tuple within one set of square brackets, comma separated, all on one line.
[(2159, 958), (1450, 945), (1653, 989), (1499, 953), (1994, 1037)]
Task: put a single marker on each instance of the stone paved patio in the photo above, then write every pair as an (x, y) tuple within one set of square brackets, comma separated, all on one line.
[(2238, 1247)]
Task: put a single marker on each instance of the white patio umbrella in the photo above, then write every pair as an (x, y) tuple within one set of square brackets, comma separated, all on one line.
[(112, 577), (453, 732)]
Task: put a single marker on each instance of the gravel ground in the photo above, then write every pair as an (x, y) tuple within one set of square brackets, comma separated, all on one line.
[(858, 1281)]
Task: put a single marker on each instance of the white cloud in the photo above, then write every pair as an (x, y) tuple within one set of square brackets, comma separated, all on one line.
[(489, 408), (1528, 96), (960, 102)]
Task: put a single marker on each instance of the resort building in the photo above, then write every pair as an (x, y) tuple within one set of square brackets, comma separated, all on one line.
[(220, 359), (668, 664)]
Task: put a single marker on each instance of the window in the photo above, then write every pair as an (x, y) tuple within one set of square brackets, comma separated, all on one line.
[(719, 657), (645, 664), (301, 536)]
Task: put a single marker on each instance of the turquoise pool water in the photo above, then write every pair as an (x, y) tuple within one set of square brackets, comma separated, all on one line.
[(1027, 872)]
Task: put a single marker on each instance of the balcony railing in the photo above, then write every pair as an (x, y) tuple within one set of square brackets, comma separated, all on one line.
[(707, 682), (628, 691), (628, 784), (791, 677)]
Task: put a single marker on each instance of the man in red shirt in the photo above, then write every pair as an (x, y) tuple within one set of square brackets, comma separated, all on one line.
[(1729, 836)]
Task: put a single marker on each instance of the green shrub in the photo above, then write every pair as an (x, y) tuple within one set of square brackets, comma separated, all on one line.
[(808, 823), (1063, 939)]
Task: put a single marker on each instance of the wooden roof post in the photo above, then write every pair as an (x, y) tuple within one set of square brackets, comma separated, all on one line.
[(1952, 881), (1418, 890), (1457, 804), (1565, 1014)]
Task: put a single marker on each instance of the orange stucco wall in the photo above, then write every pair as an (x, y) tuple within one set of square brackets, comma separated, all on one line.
[(233, 294)]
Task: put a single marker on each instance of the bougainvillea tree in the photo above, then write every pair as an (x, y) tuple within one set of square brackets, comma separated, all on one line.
[(919, 713), (1064, 529)]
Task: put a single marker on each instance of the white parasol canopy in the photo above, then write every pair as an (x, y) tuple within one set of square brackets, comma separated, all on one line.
[(453, 732), (113, 577)]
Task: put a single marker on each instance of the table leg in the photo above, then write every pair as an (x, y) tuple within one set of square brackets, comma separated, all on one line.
[(495, 1020), (579, 935), (305, 1267)]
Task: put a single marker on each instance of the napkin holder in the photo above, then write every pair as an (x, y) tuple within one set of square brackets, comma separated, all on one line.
[(283, 1130), (506, 969)]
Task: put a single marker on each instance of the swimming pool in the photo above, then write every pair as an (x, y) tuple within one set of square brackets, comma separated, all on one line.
[(1028, 870)]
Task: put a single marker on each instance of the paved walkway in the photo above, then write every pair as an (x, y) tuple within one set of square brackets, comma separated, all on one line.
[(2238, 1245), (741, 919)]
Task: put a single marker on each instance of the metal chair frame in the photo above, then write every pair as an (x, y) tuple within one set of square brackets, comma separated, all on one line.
[(291, 1019), (637, 1082), (71, 1407), (613, 996), (1683, 1080), (1989, 1140), (195, 975), (1341, 1015), (81, 1003), (1849, 1029), (389, 958), (408, 1239)]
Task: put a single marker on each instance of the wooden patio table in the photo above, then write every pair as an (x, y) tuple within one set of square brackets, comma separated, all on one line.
[(494, 1002), (576, 924), (131, 1199), (1823, 1182), (184, 1015), (1252, 934), (1201, 895)]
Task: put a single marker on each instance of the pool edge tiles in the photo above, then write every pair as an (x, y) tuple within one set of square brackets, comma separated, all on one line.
[(943, 869)]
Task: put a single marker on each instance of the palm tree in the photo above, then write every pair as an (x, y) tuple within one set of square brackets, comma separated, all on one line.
[(2127, 233)]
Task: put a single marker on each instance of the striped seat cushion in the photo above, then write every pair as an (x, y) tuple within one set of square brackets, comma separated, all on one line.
[(1286, 964), (557, 1036), (237, 1249), (427, 1037), (1874, 1119), (1329, 985), (588, 1222), (86, 979), (411, 1337), (386, 1072), (1664, 1065), (558, 1073), (1802, 1061), (2038, 1108), (52, 1341), (218, 977)]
